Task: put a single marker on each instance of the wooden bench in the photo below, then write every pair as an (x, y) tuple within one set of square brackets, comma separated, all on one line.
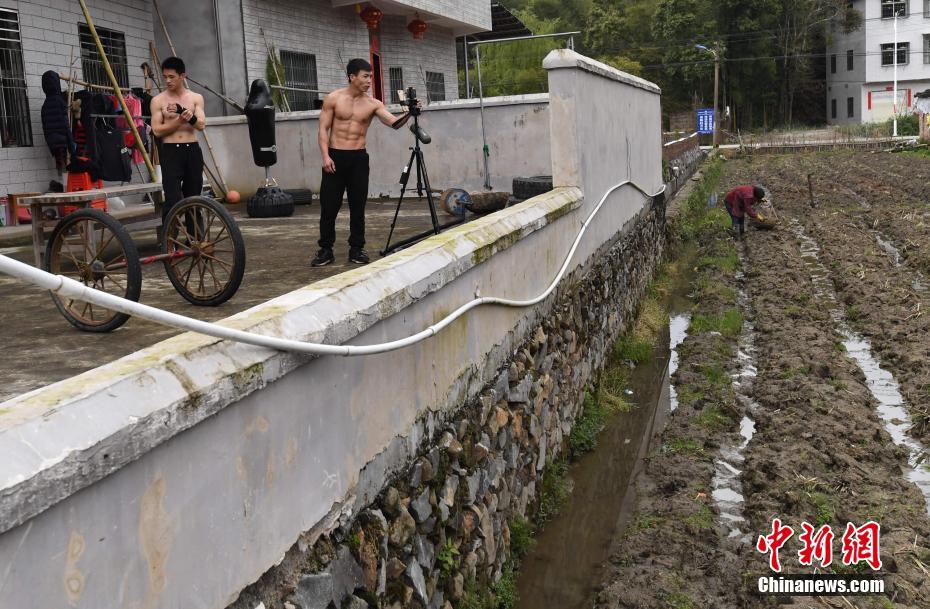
[(83, 198)]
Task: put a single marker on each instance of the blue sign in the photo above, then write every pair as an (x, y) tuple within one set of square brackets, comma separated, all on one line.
[(705, 120)]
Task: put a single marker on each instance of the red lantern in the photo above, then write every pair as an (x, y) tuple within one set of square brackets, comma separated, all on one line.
[(417, 27), (372, 16)]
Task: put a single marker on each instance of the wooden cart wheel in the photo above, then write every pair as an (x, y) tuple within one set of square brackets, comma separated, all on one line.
[(206, 251), (91, 247)]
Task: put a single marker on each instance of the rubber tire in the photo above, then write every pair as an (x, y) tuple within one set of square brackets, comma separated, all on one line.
[(301, 196), (238, 270), (270, 203), (133, 267), (527, 188)]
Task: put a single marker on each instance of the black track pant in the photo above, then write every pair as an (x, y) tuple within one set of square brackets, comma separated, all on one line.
[(352, 176), (181, 172)]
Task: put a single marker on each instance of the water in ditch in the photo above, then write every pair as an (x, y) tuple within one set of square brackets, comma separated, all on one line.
[(727, 481), (603, 496), (881, 383)]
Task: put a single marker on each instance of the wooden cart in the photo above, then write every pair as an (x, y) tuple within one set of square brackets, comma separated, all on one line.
[(201, 248)]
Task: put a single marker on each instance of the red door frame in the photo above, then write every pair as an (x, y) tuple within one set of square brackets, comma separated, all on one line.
[(377, 75)]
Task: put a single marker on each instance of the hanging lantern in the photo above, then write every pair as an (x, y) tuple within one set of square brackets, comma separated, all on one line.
[(417, 27), (372, 16)]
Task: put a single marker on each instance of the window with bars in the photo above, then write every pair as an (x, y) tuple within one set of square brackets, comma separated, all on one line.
[(396, 78), (926, 8), (15, 128), (849, 60), (904, 51), (926, 48), (435, 86), (300, 73), (890, 7), (114, 45)]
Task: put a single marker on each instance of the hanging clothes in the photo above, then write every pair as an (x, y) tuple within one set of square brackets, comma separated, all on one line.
[(55, 118), (134, 105)]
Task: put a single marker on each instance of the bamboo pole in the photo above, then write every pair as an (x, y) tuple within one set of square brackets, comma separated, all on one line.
[(116, 90), (206, 138), (157, 70), (88, 85)]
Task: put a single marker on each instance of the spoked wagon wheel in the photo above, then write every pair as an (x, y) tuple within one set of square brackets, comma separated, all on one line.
[(206, 254), (91, 247)]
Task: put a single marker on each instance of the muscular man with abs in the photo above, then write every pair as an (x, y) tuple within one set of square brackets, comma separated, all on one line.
[(177, 115), (347, 114)]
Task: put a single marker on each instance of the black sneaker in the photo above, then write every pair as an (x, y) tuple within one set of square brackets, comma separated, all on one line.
[(358, 256), (323, 257)]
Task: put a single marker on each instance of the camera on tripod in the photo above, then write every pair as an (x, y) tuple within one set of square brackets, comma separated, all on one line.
[(409, 98)]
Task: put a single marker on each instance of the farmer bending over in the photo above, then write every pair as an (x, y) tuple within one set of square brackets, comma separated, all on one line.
[(739, 202)]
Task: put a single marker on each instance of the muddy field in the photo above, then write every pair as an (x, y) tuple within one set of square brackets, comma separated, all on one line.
[(803, 390)]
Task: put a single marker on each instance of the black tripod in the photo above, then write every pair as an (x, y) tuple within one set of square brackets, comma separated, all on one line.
[(416, 156)]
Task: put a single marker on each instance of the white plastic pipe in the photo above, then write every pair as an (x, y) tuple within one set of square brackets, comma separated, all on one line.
[(75, 290)]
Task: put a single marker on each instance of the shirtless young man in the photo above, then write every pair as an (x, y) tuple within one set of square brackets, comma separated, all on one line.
[(347, 114), (181, 159)]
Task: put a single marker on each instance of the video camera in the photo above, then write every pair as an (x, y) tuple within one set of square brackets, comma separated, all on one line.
[(409, 98)]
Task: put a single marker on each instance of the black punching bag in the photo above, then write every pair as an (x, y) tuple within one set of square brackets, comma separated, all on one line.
[(259, 111), (269, 201)]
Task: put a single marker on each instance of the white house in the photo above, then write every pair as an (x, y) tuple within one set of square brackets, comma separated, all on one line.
[(860, 65)]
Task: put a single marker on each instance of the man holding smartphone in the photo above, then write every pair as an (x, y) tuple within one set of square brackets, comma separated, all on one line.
[(177, 115)]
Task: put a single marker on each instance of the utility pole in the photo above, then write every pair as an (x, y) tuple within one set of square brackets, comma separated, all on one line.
[(716, 95), (716, 53), (894, 100)]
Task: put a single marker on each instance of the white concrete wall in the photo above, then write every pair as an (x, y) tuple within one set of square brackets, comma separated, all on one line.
[(608, 126), (518, 136), (50, 35), (176, 476)]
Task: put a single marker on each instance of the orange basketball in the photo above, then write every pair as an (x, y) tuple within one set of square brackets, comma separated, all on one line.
[(233, 196)]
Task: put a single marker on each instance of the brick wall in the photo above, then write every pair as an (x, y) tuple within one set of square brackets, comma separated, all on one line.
[(49, 33), (336, 35)]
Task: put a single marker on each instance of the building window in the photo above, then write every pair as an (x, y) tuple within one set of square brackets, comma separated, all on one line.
[(890, 7), (850, 110), (832, 64), (849, 58), (888, 59), (15, 128), (300, 78), (926, 8), (832, 108), (114, 45), (435, 86), (396, 76), (926, 48)]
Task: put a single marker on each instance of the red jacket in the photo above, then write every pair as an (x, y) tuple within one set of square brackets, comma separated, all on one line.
[(739, 201)]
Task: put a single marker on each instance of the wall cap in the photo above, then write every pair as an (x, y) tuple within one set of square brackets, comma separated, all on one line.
[(560, 59)]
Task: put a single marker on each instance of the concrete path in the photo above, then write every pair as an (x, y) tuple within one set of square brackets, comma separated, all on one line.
[(40, 347)]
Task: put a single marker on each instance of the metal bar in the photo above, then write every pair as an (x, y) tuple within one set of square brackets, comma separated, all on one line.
[(117, 91), (283, 88), (484, 138), (478, 42), (206, 138)]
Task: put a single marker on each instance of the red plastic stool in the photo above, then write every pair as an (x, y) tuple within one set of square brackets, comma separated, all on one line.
[(80, 180)]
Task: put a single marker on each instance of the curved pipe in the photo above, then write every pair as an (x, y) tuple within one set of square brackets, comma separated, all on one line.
[(69, 288)]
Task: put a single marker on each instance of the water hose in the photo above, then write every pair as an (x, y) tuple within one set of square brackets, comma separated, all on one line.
[(70, 289)]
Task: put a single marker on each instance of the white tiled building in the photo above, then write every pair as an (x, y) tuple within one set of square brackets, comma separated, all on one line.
[(225, 45), (860, 64)]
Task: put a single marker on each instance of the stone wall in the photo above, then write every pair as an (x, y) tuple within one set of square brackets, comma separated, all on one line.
[(484, 467)]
